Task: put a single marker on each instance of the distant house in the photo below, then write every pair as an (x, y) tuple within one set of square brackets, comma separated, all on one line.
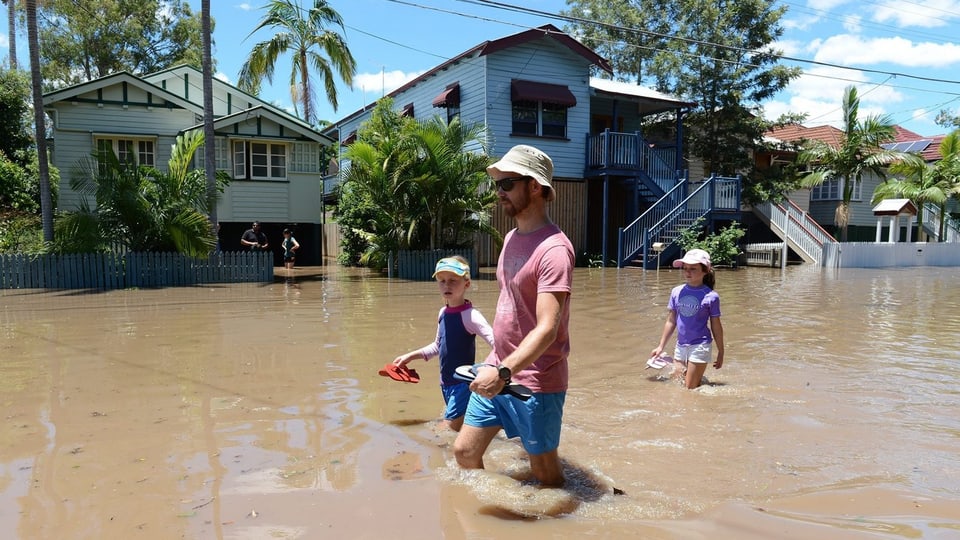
[(535, 87), (821, 201), (272, 157)]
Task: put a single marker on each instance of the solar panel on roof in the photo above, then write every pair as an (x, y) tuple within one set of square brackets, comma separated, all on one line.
[(908, 146), (919, 146)]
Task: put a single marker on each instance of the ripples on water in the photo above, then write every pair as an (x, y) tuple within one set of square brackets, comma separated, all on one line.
[(833, 381)]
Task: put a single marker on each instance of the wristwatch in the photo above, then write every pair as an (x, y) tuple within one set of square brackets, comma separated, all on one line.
[(504, 373)]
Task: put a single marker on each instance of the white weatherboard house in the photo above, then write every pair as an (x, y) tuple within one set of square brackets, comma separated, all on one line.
[(272, 157)]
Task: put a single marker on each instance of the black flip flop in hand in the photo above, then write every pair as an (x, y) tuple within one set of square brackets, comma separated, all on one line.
[(517, 390)]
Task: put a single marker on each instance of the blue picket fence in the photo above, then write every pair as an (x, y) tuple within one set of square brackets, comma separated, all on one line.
[(419, 265), (119, 271)]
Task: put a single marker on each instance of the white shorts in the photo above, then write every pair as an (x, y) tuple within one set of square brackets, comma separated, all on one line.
[(701, 353)]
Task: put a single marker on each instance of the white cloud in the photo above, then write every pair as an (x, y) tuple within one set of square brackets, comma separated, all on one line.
[(819, 93), (800, 22), (4, 41), (926, 14), (854, 50), (825, 5), (383, 82), (222, 76), (789, 47), (244, 6), (851, 23)]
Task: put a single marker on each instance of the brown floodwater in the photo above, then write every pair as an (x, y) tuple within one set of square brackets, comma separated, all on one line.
[(255, 411)]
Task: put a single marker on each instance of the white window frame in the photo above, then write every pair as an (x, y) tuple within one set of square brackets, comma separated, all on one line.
[(142, 149), (832, 190), (221, 158), (305, 157), (256, 159)]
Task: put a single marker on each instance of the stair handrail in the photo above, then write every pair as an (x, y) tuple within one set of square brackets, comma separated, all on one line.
[(683, 208), (631, 237), (798, 227), (931, 219)]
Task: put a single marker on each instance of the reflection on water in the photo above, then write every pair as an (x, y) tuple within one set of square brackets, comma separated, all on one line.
[(245, 411)]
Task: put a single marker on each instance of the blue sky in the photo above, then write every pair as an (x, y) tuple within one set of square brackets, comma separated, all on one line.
[(891, 46)]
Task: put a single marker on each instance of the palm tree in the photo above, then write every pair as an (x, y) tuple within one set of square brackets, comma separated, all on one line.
[(923, 182), (448, 182), (40, 125), (141, 207), (12, 31), (314, 46), (859, 152), (209, 154), (414, 186)]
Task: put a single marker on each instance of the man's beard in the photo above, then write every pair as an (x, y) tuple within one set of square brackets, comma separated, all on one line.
[(512, 208)]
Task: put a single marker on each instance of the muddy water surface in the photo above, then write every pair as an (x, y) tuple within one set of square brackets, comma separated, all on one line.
[(256, 411)]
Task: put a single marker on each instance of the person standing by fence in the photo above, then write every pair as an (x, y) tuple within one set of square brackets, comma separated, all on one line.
[(254, 239)]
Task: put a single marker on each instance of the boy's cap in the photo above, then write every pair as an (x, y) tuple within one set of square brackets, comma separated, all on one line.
[(449, 264), (694, 256), (526, 161)]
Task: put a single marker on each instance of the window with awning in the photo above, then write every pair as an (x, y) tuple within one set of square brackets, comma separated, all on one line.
[(407, 110), (532, 91), (349, 139), (450, 97), (540, 109)]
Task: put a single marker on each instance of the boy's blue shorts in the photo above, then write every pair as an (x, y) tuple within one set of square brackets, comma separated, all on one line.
[(456, 396), (536, 421)]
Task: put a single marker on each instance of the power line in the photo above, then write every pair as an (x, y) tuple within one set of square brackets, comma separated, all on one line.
[(568, 18)]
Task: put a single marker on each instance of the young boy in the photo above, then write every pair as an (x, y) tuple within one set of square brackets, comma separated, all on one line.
[(458, 326)]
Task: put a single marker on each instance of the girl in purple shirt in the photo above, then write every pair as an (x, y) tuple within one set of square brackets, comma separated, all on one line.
[(693, 307)]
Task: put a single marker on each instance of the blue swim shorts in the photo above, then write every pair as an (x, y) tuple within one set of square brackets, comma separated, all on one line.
[(456, 396), (536, 421)]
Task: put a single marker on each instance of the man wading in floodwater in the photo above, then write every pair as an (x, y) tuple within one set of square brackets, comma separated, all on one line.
[(530, 329)]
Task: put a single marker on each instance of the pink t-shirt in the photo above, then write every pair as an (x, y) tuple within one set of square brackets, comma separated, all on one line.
[(533, 263)]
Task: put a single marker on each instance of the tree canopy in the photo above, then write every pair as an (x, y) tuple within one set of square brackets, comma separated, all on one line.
[(718, 54), (87, 39)]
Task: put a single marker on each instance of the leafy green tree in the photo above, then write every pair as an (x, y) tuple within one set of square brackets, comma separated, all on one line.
[(718, 54), (308, 37), (948, 119), (858, 153), (412, 185), (15, 112), (923, 182), (86, 39), (142, 208)]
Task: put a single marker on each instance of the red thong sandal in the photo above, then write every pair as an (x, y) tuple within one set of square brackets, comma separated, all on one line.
[(400, 373)]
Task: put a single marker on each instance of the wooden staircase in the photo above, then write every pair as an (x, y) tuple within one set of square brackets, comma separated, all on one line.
[(654, 234)]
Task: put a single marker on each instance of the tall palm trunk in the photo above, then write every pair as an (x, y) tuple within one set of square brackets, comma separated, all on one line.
[(39, 118), (12, 31), (210, 143)]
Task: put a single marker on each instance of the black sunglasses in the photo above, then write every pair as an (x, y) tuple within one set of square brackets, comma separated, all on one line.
[(506, 184)]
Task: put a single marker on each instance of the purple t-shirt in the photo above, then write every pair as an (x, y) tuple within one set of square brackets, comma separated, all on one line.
[(530, 264), (694, 307)]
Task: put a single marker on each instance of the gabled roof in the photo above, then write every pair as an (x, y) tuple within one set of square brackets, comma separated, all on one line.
[(795, 133), (269, 113), (186, 68), (263, 109), (488, 47), (64, 94), (895, 207)]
